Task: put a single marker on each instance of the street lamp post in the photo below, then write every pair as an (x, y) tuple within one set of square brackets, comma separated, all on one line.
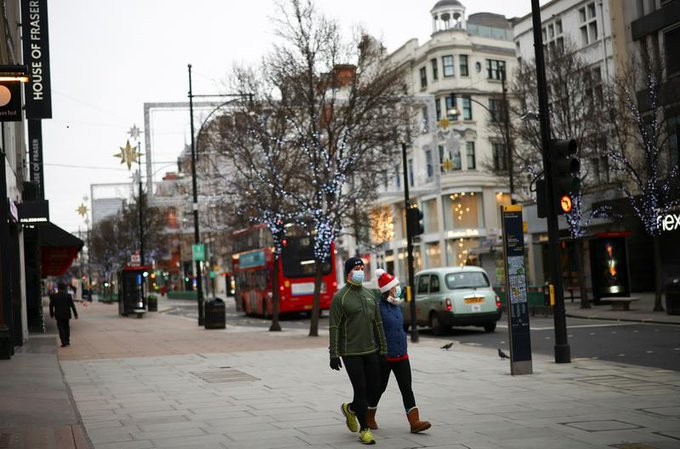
[(194, 205), (197, 238)]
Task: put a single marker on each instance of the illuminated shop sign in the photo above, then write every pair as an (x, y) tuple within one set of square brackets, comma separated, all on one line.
[(669, 222)]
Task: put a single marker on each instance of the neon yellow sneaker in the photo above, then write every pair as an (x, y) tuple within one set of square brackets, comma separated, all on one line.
[(366, 437), (350, 418)]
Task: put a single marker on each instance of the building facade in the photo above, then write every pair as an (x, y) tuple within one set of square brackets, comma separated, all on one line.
[(609, 35), (456, 81)]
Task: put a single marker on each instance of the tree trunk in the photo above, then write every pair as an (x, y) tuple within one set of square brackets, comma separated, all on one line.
[(578, 247), (276, 296), (658, 307), (314, 322)]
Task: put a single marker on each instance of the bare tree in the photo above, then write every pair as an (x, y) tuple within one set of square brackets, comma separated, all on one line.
[(114, 239), (575, 95), (323, 106), (263, 169), (341, 99), (637, 146)]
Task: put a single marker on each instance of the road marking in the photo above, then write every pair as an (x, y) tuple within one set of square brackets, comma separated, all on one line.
[(585, 326)]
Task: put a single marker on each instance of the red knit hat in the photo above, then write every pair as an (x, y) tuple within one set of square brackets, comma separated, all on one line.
[(385, 280)]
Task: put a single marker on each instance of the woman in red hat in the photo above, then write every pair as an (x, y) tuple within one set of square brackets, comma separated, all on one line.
[(396, 361)]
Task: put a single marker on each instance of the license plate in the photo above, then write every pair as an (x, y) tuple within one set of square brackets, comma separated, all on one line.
[(473, 300)]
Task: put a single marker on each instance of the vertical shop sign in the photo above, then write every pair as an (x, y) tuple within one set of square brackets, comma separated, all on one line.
[(35, 38), (35, 156)]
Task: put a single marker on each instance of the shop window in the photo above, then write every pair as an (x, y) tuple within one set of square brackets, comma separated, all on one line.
[(462, 211)]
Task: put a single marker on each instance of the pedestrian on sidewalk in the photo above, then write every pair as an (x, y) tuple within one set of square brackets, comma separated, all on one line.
[(61, 305), (396, 361), (356, 335)]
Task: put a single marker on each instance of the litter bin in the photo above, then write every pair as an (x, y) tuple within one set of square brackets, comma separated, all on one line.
[(673, 296), (214, 311), (152, 303)]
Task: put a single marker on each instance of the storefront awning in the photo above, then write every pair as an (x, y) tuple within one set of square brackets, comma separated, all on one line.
[(58, 249)]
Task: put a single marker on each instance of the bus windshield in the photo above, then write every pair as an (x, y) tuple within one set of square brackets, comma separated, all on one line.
[(297, 257)]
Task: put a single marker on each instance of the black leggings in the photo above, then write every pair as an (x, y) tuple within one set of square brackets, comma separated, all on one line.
[(402, 372), (364, 373)]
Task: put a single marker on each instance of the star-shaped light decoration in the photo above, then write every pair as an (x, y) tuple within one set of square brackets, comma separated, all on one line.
[(134, 132), (444, 123), (82, 210), (128, 154), (447, 165)]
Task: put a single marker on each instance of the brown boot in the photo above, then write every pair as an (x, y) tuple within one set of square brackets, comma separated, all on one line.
[(370, 418), (416, 424)]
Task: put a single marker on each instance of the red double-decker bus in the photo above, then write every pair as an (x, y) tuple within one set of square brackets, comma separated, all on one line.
[(253, 268)]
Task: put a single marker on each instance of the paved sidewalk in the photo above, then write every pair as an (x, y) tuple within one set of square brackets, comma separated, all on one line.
[(164, 382), (640, 310)]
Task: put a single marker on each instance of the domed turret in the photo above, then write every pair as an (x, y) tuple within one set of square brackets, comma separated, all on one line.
[(448, 15)]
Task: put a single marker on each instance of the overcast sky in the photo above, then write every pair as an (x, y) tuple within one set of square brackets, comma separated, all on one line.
[(108, 58)]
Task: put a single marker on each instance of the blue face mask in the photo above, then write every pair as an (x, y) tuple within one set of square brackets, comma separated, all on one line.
[(357, 277), (397, 292)]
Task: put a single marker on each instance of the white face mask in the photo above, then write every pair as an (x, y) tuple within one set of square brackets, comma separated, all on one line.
[(396, 299)]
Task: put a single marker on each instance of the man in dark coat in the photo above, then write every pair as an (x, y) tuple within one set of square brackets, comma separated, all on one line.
[(61, 304)]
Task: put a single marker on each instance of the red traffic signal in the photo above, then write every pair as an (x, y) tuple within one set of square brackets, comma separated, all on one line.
[(566, 204), (565, 169)]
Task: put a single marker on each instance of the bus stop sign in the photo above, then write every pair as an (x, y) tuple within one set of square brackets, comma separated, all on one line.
[(199, 252)]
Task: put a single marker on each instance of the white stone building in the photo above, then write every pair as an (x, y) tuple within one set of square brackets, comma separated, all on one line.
[(461, 67)]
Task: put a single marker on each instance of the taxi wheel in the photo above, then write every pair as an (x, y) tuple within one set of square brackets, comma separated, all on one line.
[(436, 325)]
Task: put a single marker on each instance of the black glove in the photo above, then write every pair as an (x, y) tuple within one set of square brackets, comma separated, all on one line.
[(336, 364)]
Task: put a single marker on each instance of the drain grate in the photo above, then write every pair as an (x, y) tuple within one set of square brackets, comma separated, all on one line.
[(604, 425), (620, 382), (224, 375)]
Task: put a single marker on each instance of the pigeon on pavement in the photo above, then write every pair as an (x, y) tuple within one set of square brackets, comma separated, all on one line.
[(447, 346), (502, 355)]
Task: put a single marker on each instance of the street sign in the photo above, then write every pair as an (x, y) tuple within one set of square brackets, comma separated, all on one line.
[(198, 251), (135, 260)]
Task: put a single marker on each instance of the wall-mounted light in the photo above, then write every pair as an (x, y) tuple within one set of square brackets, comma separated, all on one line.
[(18, 73)]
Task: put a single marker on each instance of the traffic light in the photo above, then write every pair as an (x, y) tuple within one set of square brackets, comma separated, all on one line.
[(414, 221), (565, 170)]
